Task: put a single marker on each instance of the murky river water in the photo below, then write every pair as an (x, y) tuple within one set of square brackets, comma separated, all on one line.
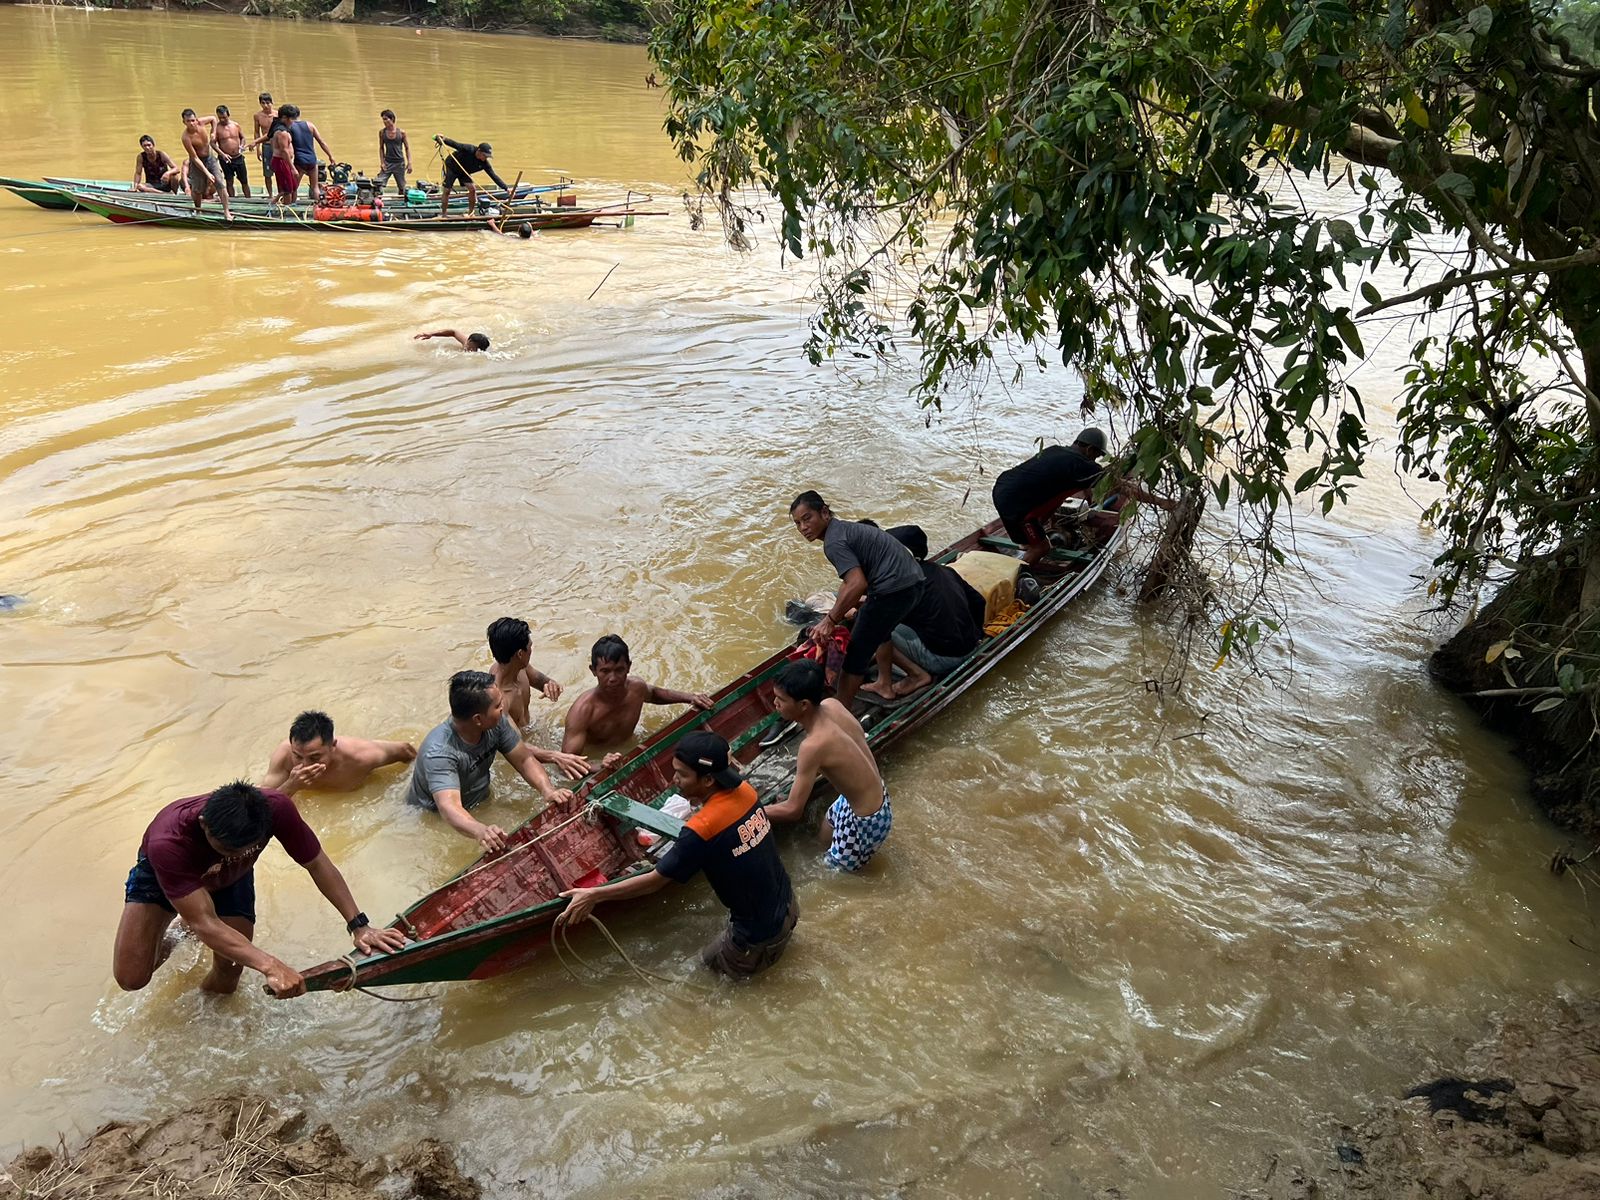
[(233, 488)]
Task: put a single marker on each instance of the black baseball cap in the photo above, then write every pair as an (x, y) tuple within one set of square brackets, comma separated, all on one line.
[(707, 754), (485, 149)]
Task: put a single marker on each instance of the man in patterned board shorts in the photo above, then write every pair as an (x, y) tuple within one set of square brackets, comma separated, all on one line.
[(858, 821)]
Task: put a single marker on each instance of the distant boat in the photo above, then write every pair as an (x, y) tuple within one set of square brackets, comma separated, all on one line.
[(56, 193), (128, 208)]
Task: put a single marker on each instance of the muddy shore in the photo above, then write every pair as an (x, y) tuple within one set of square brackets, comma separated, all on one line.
[(1517, 1117), (232, 1148)]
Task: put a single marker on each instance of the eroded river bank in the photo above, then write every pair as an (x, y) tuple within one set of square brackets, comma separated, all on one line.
[(1155, 939)]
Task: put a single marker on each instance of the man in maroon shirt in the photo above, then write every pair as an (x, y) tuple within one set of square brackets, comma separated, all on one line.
[(197, 861)]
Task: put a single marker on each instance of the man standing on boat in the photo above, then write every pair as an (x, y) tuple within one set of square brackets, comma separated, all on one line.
[(263, 119), (311, 757), (205, 172), (870, 564), (451, 774), (459, 168), (858, 822), (154, 170), (729, 837), (1027, 495), (303, 134), (394, 154), (230, 151), (197, 861), (608, 713)]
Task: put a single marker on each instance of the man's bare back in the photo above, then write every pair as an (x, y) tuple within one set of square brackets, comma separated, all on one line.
[(346, 766)]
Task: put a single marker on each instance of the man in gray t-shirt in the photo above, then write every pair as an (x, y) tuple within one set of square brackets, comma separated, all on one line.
[(877, 573), (451, 774)]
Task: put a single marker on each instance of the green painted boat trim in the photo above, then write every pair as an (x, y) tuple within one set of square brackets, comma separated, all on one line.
[(642, 815)]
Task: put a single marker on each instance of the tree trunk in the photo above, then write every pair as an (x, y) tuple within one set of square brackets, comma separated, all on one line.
[(1563, 758), (345, 10)]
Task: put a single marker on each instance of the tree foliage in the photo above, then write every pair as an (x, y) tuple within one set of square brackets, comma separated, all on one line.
[(1114, 182)]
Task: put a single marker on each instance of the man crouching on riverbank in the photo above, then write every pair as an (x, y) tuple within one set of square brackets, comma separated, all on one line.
[(197, 861)]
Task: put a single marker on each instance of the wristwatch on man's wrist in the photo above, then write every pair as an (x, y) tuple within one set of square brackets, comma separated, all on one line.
[(359, 921)]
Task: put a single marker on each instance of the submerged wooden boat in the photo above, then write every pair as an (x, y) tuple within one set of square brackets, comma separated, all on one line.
[(56, 193), (496, 915), (167, 215)]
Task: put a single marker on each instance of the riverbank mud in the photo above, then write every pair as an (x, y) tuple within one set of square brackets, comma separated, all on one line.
[(233, 1148), (1517, 1117)]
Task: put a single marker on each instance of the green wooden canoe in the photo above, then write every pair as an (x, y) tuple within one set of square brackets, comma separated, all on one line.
[(496, 915)]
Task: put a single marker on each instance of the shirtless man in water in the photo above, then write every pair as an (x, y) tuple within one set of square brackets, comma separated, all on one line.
[(608, 713), (204, 170), (230, 150), (311, 757), (858, 821), (511, 644)]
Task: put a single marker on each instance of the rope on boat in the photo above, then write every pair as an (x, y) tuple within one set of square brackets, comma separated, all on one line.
[(592, 807), (349, 960), (651, 979)]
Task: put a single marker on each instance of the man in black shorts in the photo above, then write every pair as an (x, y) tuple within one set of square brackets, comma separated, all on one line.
[(459, 168), (230, 152), (729, 837), (879, 574)]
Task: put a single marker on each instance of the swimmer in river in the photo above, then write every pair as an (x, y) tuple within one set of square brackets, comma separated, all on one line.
[(197, 861), (524, 230), (858, 822), (608, 713), (469, 342), (311, 757)]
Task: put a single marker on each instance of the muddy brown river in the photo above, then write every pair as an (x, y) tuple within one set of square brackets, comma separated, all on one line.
[(1095, 953)]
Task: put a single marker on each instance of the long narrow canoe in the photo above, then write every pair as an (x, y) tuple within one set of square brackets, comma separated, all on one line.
[(56, 193), (167, 216), (496, 915)]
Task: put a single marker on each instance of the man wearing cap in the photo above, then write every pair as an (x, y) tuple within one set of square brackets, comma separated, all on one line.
[(466, 161), (729, 837), (1027, 495)]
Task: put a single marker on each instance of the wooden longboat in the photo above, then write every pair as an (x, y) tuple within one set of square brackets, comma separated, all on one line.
[(56, 193), (496, 915), (172, 216)]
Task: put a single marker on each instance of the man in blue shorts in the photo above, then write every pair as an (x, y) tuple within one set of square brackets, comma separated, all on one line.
[(197, 861), (858, 821)]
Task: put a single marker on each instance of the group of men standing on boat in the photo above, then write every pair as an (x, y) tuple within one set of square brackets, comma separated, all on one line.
[(197, 857), (215, 149)]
